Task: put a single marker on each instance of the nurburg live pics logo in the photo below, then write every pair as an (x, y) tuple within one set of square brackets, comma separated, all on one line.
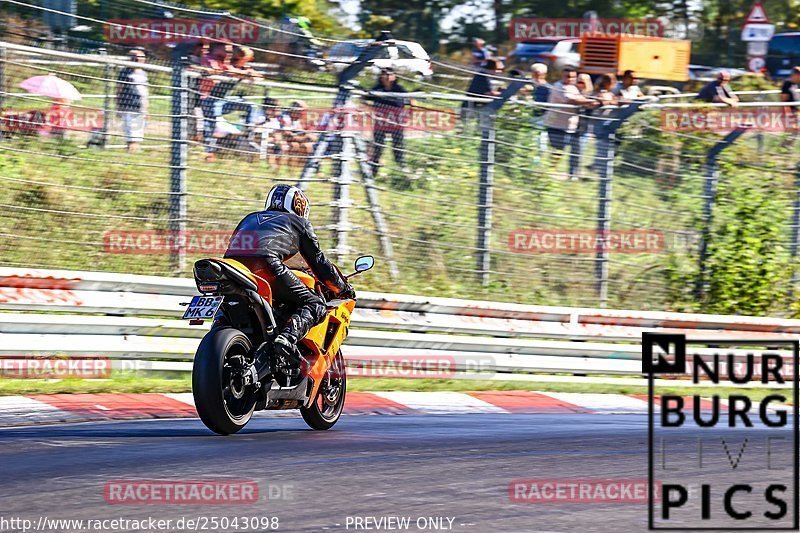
[(728, 460)]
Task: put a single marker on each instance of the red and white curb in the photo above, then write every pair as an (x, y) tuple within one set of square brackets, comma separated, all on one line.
[(52, 408)]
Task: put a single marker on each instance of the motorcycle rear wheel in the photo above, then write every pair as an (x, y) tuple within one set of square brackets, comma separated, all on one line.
[(224, 404), (327, 407)]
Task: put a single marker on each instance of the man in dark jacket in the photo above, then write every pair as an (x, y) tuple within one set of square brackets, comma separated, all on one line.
[(132, 96), (389, 116), (283, 231)]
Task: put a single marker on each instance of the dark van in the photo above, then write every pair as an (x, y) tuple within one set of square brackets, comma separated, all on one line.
[(783, 54)]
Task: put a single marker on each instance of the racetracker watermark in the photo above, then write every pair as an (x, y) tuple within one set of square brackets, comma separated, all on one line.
[(737, 446), (55, 367), (578, 491), (557, 240), (181, 492), (416, 366), (367, 119), (527, 29), (32, 121), (146, 242), (762, 119), (159, 31)]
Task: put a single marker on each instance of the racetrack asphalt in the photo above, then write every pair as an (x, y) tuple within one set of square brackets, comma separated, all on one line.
[(455, 467)]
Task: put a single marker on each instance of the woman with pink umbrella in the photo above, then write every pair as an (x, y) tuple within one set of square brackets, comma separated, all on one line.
[(62, 92)]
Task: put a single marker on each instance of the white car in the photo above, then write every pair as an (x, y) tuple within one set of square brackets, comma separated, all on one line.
[(557, 53), (402, 56)]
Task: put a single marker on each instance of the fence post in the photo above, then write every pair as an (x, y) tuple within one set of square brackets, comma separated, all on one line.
[(795, 245), (106, 98), (606, 132), (3, 62), (709, 199), (178, 163), (341, 192), (487, 120)]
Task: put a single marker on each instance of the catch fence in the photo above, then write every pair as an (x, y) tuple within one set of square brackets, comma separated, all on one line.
[(471, 204)]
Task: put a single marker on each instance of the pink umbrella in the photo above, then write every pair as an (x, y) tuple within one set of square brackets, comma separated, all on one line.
[(52, 86)]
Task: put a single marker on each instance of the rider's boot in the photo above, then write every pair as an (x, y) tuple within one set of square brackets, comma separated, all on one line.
[(286, 347)]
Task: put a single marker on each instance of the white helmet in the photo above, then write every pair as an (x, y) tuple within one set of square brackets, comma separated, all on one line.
[(289, 199)]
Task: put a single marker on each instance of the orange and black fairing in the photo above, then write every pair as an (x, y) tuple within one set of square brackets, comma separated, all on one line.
[(325, 339)]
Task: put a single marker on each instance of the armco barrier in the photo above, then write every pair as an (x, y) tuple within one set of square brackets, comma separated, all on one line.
[(135, 321)]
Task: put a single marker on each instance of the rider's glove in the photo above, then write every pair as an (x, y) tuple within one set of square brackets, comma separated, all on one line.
[(349, 293)]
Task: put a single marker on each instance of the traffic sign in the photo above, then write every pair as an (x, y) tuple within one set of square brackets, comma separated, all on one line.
[(758, 32), (756, 63), (757, 15), (757, 48)]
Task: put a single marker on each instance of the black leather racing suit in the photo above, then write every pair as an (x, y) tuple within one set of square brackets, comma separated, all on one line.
[(275, 236)]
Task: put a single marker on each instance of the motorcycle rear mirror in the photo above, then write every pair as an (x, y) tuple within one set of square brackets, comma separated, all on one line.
[(364, 263)]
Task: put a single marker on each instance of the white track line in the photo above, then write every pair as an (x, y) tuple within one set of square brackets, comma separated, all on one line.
[(602, 403), (441, 402)]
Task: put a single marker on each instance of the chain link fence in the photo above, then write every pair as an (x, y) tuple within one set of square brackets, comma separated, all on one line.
[(468, 203)]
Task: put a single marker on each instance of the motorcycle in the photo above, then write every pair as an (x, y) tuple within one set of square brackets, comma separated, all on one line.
[(236, 371)]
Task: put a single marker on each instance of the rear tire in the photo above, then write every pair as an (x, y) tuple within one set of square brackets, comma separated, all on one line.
[(213, 390), (327, 407)]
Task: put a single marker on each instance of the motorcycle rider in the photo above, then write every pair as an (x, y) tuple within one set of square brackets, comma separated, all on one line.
[(282, 231)]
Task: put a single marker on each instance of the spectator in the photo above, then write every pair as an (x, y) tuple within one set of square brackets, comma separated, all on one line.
[(196, 59), (605, 90), (480, 53), (541, 94), (606, 98), (199, 53), (269, 126), (242, 56), (214, 99), (132, 100), (481, 85), (562, 122), (719, 91), (628, 89), (388, 114), (586, 88), (541, 90), (297, 141), (790, 93)]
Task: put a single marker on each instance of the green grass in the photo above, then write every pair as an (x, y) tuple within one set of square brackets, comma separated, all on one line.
[(132, 383)]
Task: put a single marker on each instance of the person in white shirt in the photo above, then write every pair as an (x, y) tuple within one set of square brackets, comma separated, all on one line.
[(628, 88), (562, 122)]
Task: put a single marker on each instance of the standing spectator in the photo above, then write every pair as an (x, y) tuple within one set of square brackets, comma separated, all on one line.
[(586, 89), (388, 116), (628, 89), (562, 122), (196, 59), (541, 94), (481, 85), (790, 93), (606, 98), (480, 53), (541, 89), (269, 125), (719, 91), (132, 100), (605, 90)]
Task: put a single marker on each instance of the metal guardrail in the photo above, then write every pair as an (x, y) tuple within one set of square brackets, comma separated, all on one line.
[(134, 320)]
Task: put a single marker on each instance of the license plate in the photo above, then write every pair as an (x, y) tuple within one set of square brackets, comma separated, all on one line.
[(203, 307)]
